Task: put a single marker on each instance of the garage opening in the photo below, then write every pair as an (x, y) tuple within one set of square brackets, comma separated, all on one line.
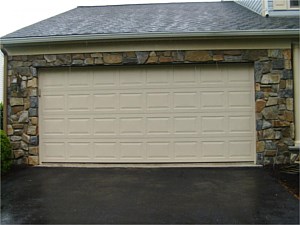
[(147, 114)]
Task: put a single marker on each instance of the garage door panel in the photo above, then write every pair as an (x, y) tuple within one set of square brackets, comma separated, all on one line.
[(159, 150), (105, 79), (159, 101), (186, 150), (132, 150), (214, 150), (213, 100), (105, 102), (185, 100), (240, 99), (79, 151), (185, 76), (131, 101), (105, 151), (53, 103), (158, 77), (105, 126), (190, 113), (132, 125), (79, 102), (54, 126), (79, 126)]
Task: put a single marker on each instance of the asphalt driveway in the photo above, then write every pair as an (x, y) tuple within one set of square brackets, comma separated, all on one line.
[(160, 195)]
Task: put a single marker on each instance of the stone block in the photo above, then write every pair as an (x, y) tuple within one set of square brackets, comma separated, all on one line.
[(290, 104), (232, 58), (26, 138), (16, 109), (23, 117), (270, 145), (218, 58), (289, 116), (278, 135), (33, 102), (292, 130), (257, 86), (112, 58), (289, 84), (152, 54), (270, 153), (260, 105), (33, 120), (152, 59), (287, 54), (99, 61), (39, 63), (15, 138), (33, 160), (24, 146), (33, 112), (10, 130), (259, 95), (18, 132), (285, 93), (260, 146), (279, 123), (64, 59), (18, 126), (287, 75), (272, 101), (18, 153), (50, 58), (270, 113), (287, 64), (282, 84), (266, 124), (34, 140), (178, 56), (34, 150), (269, 134), (142, 57), (198, 56), (78, 56), (33, 71), (278, 64), (15, 145), (31, 130), (16, 101), (259, 124), (96, 55), (270, 78), (275, 53), (164, 59), (89, 61), (77, 62), (32, 83)]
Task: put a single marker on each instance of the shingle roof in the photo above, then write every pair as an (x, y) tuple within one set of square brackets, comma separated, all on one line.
[(155, 18)]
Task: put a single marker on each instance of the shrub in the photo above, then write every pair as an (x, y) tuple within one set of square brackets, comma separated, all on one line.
[(6, 148)]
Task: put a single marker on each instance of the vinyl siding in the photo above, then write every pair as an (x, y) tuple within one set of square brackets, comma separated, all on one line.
[(254, 5), (289, 12)]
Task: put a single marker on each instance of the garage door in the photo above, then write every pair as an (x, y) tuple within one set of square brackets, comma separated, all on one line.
[(194, 113)]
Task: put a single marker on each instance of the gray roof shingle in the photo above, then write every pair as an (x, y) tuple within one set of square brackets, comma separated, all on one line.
[(155, 18)]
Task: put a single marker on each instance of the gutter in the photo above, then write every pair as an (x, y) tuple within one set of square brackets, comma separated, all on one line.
[(124, 36)]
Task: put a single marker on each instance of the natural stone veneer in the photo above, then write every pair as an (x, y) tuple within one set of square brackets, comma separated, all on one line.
[(273, 92)]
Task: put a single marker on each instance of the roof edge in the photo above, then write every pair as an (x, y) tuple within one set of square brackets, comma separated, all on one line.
[(126, 36)]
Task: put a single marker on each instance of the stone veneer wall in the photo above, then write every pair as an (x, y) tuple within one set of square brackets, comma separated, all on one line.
[(273, 92)]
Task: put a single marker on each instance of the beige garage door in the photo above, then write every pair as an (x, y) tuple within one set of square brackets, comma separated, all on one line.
[(194, 113)]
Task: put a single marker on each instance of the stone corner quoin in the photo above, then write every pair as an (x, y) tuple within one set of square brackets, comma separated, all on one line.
[(273, 86)]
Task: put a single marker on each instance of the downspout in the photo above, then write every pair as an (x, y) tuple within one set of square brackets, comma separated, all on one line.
[(266, 8), (296, 69), (4, 90)]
